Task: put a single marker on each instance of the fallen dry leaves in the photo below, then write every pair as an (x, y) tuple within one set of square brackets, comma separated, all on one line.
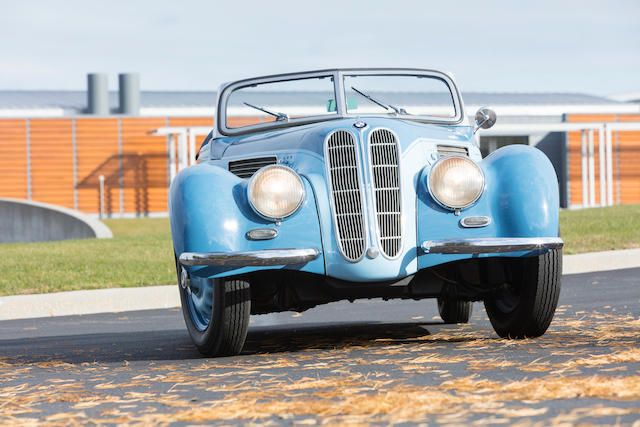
[(440, 377)]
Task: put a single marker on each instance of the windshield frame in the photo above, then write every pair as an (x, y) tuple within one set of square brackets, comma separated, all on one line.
[(339, 93)]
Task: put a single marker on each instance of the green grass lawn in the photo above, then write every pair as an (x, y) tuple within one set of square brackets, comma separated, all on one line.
[(140, 254), (600, 229)]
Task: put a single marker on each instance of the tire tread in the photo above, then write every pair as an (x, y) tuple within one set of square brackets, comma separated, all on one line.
[(539, 298), (455, 311)]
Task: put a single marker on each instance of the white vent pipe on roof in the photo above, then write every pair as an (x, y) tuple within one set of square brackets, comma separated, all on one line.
[(97, 94), (129, 87)]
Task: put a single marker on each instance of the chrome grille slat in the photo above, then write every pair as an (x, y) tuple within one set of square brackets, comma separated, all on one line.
[(384, 158), (346, 194)]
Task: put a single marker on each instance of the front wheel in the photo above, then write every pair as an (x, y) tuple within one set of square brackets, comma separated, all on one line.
[(216, 312), (454, 310), (526, 310)]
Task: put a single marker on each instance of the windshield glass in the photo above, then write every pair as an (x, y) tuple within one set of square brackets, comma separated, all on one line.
[(281, 101), (293, 99), (398, 94)]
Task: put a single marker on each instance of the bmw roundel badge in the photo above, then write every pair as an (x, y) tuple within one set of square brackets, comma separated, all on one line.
[(359, 125)]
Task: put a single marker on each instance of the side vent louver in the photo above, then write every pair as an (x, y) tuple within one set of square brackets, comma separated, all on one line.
[(447, 150), (247, 167)]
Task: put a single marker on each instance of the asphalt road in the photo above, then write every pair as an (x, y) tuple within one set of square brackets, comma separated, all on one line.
[(366, 362)]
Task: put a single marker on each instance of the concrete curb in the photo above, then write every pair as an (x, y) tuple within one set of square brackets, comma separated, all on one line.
[(31, 221), (158, 297), (88, 302), (600, 261)]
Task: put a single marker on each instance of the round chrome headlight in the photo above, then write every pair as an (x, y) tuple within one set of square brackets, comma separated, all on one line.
[(275, 192), (455, 182)]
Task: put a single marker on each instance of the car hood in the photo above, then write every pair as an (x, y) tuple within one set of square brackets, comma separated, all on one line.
[(311, 137)]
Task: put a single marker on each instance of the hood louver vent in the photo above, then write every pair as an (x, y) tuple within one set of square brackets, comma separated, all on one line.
[(448, 150), (247, 167)]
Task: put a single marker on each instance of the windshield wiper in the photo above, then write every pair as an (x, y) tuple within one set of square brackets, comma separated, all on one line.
[(385, 106), (279, 116)]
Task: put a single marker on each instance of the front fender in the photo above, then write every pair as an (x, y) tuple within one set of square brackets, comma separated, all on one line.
[(521, 198), (524, 194), (210, 212)]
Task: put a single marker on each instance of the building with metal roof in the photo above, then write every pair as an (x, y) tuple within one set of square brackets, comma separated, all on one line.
[(511, 106), (116, 152)]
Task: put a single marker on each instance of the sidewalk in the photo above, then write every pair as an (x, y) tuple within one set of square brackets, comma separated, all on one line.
[(157, 297)]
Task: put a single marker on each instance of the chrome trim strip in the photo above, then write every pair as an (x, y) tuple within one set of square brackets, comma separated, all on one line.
[(262, 258), (490, 245), (369, 212)]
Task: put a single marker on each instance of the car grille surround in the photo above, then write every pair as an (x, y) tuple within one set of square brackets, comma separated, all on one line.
[(344, 176), (384, 158)]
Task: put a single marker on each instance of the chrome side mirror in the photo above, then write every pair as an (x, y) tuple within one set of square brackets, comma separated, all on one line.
[(485, 118)]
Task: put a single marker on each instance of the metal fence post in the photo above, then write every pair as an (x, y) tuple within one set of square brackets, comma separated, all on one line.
[(602, 175), (28, 130), (120, 171), (609, 154), (74, 147), (192, 147), (101, 179), (592, 172), (585, 169)]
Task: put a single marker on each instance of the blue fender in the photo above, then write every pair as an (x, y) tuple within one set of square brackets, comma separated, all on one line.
[(210, 212), (521, 198), (524, 191)]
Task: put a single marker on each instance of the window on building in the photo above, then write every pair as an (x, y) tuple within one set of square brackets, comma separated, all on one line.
[(489, 144)]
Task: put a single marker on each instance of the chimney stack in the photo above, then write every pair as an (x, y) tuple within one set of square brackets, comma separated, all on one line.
[(129, 87), (97, 94)]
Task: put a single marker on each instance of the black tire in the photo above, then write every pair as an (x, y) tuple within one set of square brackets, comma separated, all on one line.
[(527, 310), (455, 311), (227, 328)]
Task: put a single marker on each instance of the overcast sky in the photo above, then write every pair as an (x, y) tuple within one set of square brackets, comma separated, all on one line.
[(561, 46)]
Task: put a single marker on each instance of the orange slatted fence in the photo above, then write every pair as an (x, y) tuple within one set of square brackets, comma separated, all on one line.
[(575, 156), (97, 149), (13, 159), (628, 143), (60, 161), (52, 161), (625, 159), (144, 166)]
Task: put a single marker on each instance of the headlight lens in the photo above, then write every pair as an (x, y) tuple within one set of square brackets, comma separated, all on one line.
[(456, 182), (276, 192)]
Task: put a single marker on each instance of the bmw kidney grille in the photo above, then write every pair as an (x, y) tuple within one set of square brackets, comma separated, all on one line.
[(345, 183)]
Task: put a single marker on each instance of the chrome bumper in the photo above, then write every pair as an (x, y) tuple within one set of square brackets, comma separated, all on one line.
[(490, 245), (250, 258)]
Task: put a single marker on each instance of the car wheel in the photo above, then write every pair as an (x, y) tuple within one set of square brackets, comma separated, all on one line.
[(526, 310), (216, 312), (454, 311)]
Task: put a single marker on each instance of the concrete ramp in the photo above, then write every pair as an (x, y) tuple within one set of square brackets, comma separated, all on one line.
[(28, 221)]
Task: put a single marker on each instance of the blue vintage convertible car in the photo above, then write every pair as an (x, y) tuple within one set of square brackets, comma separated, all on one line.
[(360, 183)]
